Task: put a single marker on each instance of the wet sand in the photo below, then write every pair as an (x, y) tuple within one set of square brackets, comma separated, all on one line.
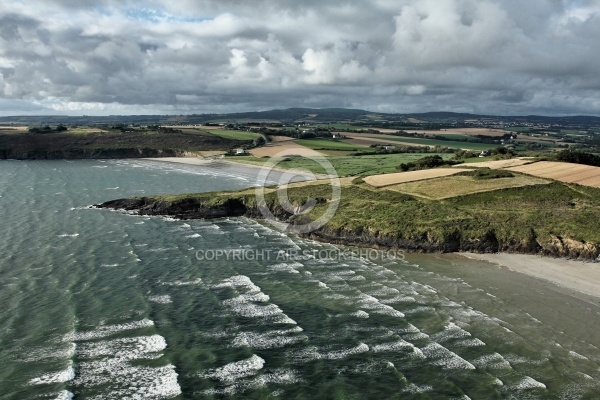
[(583, 277)]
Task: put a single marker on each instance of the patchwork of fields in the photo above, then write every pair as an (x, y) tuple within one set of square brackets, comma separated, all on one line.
[(412, 176), (564, 172), (454, 186)]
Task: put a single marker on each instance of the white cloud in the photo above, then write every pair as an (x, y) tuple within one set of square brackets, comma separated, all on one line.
[(487, 56)]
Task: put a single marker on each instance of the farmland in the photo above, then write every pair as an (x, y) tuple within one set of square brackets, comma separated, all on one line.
[(453, 186), (372, 138), (344, 165), (498, 164), (412, 176), (284, 148), (234, 135), (564, 172), (328, 144)]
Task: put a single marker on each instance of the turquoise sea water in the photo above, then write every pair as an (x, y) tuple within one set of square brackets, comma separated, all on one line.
[(96, 304)]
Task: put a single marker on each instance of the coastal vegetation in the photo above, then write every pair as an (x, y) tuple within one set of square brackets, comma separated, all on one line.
[(522, 216), (109, 143)]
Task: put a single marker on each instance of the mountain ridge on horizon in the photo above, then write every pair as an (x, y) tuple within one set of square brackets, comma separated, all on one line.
[(332, 114)]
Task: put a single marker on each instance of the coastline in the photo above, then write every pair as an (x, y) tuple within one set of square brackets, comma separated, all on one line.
[(579, 276), (575, 275), (203, 162)]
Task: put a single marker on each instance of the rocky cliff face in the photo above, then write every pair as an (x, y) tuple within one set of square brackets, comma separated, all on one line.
[(454, 241)]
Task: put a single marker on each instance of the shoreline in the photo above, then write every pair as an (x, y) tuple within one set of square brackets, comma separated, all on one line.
[(582, 276), (575, 275), (203, 162)]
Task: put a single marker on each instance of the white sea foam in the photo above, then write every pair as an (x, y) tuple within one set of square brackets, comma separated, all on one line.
[(322, 285), (245, 305), (161, 299), (236, 370), (398, 299), (278, 377), (107, 330), (492, 361), (384, 291), (577, 355), (63, 376), (138, 347), (470, 343), (247, 298), (68, 235), (339, 354), (109, 265), (108, 363), (451, 331), (441, 356), (194, 236), (238, 281), (283, 267), (372, 304), (65, 395), (414, 389), (250, 310), (360, 314), (396, 346), (529, 383), (195, 282), (269, 340), (123, 380)]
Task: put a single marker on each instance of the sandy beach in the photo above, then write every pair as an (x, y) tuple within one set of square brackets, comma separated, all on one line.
[(583, 277), (211, 162)]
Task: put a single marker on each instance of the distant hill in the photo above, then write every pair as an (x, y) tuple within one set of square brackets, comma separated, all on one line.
[(293, 115)]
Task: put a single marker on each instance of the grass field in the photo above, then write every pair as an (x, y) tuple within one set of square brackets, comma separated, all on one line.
[(347, 165), (444, 143), (453, 186), (328, 144), (235, 135), (370, 138)]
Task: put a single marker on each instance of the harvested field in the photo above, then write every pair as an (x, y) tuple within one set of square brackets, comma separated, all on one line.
[(412, 176), (563, 172), (284, 149), (13, 129), (463, 131), (499, 164), (454, 186)]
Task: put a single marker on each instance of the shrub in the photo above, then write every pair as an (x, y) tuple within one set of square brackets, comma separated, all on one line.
[(579, 157)]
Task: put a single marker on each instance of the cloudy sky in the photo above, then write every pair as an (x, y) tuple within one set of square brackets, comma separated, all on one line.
[(195, 56)]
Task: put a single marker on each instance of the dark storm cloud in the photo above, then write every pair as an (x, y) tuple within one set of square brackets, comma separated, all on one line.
[(485, 56)]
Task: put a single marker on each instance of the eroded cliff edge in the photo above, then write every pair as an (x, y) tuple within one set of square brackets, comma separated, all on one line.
[(567, 228)]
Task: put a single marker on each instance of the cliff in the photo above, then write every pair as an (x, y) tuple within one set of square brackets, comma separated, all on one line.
[(420, 230)]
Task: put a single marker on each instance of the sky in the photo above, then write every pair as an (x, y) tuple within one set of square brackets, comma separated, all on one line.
[(105, 57)]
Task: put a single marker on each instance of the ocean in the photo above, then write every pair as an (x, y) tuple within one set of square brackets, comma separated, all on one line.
[(98, 304)]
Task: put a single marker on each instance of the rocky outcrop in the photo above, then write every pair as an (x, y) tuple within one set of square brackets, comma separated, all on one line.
[(453, 241), (187, 208)]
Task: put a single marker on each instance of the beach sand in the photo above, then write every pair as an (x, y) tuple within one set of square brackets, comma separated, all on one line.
[(295, 173), (583, 277)]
